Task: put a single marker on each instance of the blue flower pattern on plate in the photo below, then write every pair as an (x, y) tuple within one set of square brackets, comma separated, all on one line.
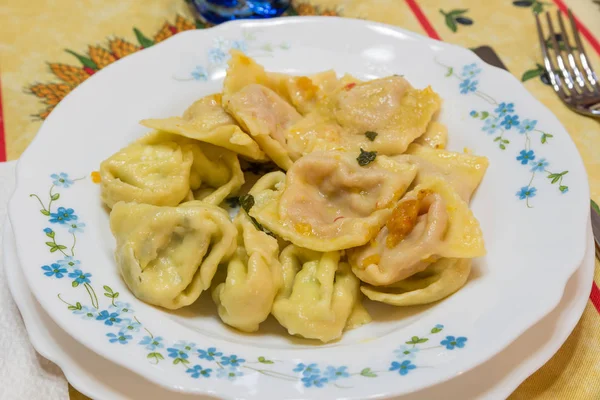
[(526, 192), (75, 227), (177, 353), (526, 156), (229, 373), (492, 125), (307, 370), (314, 381), (128, 325), (152, 343), (54, 270), (467, 86), (197, 371), (199, 73), (406, 352), (86, 312), (509, 121), (63, 215), (61, 180), (69, 263), (470, 71), (333, 373), (209, 354), (527, 125), (119, 338), (502, 119), (109, 318), (451, 342), (79, 277), (539, 165), (232, 360), (403, 368), (504, 109)]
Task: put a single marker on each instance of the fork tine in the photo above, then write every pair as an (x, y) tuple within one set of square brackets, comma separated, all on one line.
[(557, 52), (570, 54), (547, 64), (582, 56)]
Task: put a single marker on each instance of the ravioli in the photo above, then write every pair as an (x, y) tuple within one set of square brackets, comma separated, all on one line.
[(436, 136), (437, 281), (153, 173), (254, 277), (429, 223), (215, 172), (317, 131), (168, 255), (350, 193), (463, 171), (329, 202), (389, 107), (302, 92), (207, 121), (264, 114), (319, 295)]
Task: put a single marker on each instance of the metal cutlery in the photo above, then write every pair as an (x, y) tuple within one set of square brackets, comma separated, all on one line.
[(568, 68)]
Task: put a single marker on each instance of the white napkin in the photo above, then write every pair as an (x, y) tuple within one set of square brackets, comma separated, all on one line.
[(24, 374)]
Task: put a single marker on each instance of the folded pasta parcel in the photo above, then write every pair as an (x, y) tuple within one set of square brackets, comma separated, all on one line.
[(215, 171), (329, 201), (462, 171), (429, 223), (253, 275), (207, 121), (390, 107), (162, 169), (320, 296), (168, 255), (156, 172), (440, 279)]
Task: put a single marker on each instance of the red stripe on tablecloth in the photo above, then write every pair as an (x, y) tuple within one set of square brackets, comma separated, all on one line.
[(584, 31), (595, 296), (416, 9), (2, 138)]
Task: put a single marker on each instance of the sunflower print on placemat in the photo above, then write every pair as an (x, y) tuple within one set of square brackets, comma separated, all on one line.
[(97, 57)]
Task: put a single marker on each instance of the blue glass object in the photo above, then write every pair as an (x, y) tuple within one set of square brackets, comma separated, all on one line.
[(217, 11)]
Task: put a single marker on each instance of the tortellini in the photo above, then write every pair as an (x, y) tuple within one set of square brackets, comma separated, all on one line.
[(264, 114), (153, 173), (430, 222), (439, 280), (207, 121), (254, 277), (168, 255), (463, 171), (319, 295), (215, 172), (345, 189), (330, 202)]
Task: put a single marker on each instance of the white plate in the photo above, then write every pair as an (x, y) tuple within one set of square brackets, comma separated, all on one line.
[(495, 379), (533, 247)]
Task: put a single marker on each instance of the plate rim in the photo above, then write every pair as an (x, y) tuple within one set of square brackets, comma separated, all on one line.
[(510, 384)]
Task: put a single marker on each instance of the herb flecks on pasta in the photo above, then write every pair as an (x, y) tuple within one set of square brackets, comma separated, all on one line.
[(294, 196)]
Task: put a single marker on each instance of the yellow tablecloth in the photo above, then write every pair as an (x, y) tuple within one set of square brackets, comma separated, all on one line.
[(48, 48)]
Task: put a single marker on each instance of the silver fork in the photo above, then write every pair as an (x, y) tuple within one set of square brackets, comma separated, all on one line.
[(579, 90)]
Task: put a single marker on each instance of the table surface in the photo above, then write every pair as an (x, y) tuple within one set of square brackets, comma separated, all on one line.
[(48, 48)]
